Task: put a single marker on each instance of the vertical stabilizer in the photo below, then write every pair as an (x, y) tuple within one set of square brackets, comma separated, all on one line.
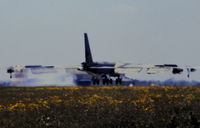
[(88, 54)]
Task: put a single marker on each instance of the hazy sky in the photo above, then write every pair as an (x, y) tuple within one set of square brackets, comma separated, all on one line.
[(50, 32)]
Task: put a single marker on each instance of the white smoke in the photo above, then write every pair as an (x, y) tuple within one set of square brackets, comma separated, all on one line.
[(59, 78)]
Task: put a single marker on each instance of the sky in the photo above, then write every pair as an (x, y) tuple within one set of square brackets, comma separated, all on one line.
[(50, 32)]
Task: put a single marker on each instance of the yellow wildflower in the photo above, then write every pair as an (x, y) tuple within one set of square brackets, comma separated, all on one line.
[(189, 98), (17, 106), (32, 106)]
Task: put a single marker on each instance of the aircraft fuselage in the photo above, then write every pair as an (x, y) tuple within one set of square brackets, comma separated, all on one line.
[(100, 68)]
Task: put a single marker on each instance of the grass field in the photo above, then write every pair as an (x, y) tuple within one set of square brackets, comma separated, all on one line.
[(96, 107)]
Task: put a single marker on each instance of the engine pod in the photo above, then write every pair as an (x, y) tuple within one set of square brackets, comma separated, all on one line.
[(177, 70)]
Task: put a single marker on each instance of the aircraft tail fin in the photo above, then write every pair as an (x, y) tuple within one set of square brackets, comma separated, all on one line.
[(88, 54)]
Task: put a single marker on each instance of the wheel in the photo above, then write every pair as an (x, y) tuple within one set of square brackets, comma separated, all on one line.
[(97, 81), (104, 81), (117, 81), (111, 81), (120, 81), (94, 82), (107, 81)]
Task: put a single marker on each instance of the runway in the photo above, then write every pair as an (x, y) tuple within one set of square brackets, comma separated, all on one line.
[(74, 77)]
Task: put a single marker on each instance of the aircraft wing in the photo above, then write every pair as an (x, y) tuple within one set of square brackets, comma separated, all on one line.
[(127, 68), (148, 68), (153, 69)]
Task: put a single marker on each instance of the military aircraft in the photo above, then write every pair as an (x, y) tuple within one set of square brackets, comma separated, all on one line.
[(99, 70), (98, 73)]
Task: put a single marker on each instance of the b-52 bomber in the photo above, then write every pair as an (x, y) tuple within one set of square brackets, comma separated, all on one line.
[(99, 70), (105, 71), (100, 73)]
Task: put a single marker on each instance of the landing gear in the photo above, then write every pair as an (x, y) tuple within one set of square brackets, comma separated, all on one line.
[(95, 81), (106, 80), (118, 81), (111, 81)]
